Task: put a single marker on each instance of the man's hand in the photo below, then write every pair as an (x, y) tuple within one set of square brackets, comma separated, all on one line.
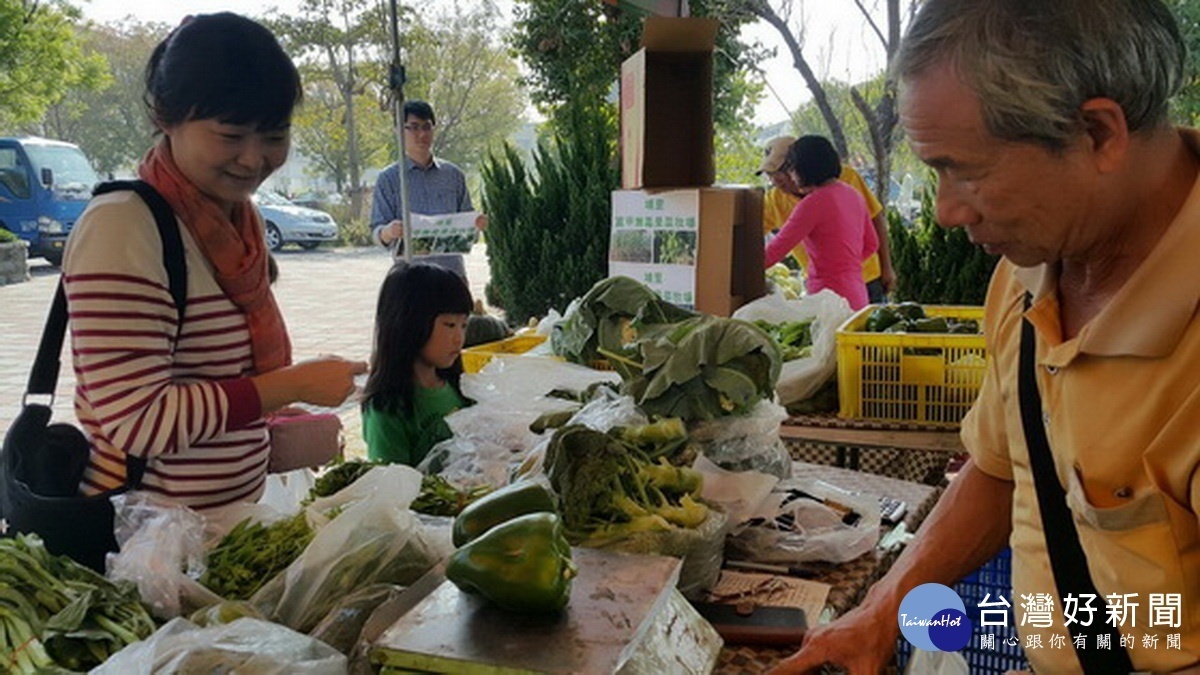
[(391, 232), (481, 222), (888, 277), (862, 642)]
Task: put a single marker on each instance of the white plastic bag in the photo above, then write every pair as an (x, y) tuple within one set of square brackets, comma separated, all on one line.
[(801, 378), (813, 529), (161, 550), (491, 438), (365, 534), (739, 493), (747, 442), (246, 647)]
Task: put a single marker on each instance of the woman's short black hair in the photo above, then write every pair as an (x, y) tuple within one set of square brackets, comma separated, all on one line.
[(221, 66), (814, 160), (420, 110), (410, 300)]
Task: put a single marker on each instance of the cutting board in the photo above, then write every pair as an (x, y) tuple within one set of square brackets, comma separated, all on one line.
[(613, 603)]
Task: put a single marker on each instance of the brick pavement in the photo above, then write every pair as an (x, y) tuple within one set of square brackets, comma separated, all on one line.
[(327, 297)]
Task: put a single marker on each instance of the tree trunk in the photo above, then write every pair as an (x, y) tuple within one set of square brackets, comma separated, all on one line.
[(763, 10)]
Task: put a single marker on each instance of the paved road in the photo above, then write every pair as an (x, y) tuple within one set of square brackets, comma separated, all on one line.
[(327, 296)]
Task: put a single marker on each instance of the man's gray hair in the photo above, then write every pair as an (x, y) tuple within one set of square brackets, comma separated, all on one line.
[(1033, 63)]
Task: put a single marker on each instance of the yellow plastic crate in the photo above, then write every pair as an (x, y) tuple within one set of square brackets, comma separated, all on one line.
[(928, 378), (475, 358)]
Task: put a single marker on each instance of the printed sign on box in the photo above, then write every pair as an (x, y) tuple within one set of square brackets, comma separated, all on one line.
[(654, 240)]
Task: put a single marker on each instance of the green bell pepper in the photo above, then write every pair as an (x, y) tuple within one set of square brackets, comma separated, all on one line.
[(910, 310), (881, 318), (516, 499), (523, 565), (932, 325)]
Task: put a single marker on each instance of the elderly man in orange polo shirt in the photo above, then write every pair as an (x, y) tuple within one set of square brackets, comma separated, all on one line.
[(1047, 123)]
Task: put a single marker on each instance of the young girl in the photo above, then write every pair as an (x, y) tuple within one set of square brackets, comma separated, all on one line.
[(420, 326)]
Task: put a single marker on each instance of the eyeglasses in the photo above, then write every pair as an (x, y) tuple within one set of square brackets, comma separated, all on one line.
[(419, 128)]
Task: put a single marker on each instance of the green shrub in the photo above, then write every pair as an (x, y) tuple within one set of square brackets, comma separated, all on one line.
[(937, 265), (549, 226), (354, 232), (6, 236)]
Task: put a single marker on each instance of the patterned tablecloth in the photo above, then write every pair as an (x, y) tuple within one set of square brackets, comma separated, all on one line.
[(898, 461), (851, 580)]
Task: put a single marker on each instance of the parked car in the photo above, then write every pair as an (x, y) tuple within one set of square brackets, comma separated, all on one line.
[(288, 223), (44, 186)]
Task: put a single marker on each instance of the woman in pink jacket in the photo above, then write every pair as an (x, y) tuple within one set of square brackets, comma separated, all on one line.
[(831, 219)]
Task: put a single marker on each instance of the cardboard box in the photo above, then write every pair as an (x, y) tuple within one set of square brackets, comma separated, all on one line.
[(667, 105), (696, 247)]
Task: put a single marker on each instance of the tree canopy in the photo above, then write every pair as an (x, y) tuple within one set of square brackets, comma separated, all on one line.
[(40, 59)]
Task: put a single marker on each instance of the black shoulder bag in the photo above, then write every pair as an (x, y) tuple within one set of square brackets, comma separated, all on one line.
[(42, 464), (1067, 559)]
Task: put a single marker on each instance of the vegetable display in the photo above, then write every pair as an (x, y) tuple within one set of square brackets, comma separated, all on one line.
[(909, 317), (794, 338), (522, 565), (784, 281), (55, 613), (338, 476), (439, 497), (253, 553), (608, 490), (704, 368), (616, 311)]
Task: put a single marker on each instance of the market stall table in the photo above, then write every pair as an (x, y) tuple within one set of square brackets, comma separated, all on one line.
[(907, 450), (849, 581)]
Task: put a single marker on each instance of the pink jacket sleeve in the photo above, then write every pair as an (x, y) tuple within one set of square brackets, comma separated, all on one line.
[(798, 226)]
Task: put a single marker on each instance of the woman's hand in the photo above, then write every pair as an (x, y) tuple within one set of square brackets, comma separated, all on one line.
[(325, 381)]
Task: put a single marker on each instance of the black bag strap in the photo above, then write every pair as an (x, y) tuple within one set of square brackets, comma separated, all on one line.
[(43, 377), (1068, 562)]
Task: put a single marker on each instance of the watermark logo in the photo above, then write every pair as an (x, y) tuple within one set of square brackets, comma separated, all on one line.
[(932, 617)]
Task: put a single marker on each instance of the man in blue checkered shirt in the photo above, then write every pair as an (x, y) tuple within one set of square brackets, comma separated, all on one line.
[(435, 186)]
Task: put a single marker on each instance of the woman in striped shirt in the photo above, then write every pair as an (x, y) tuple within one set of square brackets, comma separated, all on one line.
[(189, 396)]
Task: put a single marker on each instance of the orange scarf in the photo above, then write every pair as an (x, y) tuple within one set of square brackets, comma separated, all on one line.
[(235, 248)]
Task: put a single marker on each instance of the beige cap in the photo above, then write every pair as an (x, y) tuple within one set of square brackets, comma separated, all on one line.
[(775, 154)]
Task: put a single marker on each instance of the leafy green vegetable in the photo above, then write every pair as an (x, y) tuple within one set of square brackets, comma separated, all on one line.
[(56, 614), (439, 497), (338, 476), (252, 553), (612, 314), (794, 338), (607, 488), (704, 368)]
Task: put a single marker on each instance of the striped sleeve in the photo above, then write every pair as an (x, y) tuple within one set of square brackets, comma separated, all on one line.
[(146, 394)]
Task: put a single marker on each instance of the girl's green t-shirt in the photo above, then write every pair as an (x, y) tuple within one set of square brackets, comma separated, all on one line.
[(400, 438)]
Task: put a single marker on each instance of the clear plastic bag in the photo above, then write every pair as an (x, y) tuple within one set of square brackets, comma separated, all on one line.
[(808, 530), (491, 438), (801, 378), (701, 549), (365, 534), (746, 442), (342, 625), (161, 550), (246, 647)]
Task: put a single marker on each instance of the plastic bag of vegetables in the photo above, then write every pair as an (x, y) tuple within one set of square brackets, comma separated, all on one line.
[(800, 378), (612, 497), (246, 647), (365, 534)]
